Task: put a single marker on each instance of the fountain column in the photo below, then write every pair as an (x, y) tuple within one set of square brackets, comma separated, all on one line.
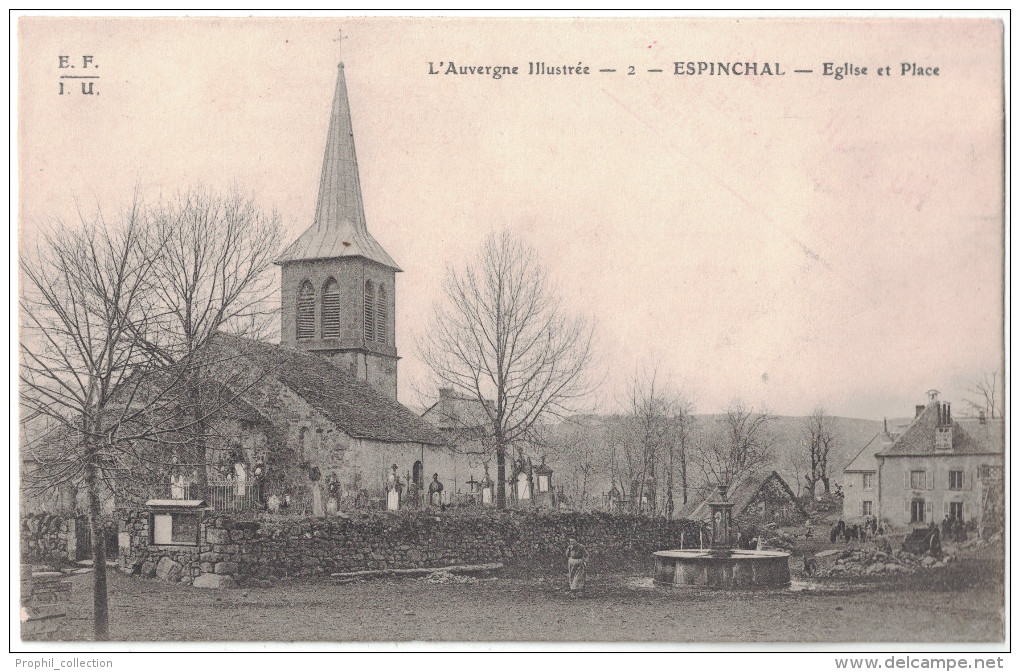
[(722, 516)]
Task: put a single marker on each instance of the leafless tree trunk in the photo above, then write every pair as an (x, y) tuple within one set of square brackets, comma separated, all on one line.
[(83, 295), (213, 273), (987, 391), (100, 362), (583, 452), (744, 448), (819, 440), (503, 339), (657, 431)]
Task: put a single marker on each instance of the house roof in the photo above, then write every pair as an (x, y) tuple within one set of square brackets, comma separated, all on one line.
[(458, 412), (352, 405), (742, 495), (865, 459), (970, 437), (339, 228)]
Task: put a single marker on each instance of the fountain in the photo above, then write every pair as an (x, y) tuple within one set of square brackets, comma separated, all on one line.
[(721, 565)]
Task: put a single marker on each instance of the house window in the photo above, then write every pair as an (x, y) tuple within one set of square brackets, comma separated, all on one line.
[(369, 311), (956, 510), (381, 315), (944, 438), (866, 508), (869, 481), (917, 480), (331, 309), (175, 527), (306, 312), (956, 480), (917, 511)]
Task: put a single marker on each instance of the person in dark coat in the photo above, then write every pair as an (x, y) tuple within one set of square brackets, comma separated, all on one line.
[(837, 531), (577, 565), (436, 491)]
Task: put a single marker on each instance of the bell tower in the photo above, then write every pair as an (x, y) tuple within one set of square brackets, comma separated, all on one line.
[(338, 285)]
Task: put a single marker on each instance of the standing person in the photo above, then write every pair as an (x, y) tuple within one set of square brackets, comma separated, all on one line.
[(393, 490), (436, 492), (577, 565)]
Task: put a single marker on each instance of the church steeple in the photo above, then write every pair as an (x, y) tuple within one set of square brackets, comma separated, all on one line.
[(337, 284), (339, 228)]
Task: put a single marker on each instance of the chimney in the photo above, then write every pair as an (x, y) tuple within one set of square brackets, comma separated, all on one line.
[(981, 416), (445, 392), (919, 409), (885, 425)]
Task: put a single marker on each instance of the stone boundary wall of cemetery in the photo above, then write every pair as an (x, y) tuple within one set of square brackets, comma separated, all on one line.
[(230, 550), (45, 538)]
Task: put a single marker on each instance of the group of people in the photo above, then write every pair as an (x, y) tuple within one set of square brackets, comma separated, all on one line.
[(865, 531), (953, 529)]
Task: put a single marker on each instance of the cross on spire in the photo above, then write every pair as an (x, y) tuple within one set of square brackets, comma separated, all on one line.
[(339, 39)]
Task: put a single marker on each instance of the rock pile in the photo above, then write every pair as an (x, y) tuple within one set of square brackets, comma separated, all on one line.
[(862, 562), (782, 541), (977, 543)]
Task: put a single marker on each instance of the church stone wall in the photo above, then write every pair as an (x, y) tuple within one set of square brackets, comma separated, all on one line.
[(250, 551)]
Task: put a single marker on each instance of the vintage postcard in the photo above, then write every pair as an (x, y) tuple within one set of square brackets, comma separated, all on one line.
[(349, 330)]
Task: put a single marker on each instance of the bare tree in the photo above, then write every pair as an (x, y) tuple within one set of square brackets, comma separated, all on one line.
[(819, 440), (583, 454), (212, 273), (83, 296), (113, 350), (503, 339), (656, 435), (744, 447), (987, 392)]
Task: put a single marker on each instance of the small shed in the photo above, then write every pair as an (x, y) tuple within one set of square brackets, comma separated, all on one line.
[(758, 499)]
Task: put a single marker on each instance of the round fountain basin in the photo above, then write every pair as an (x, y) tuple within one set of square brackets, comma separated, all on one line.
[(730, 568)]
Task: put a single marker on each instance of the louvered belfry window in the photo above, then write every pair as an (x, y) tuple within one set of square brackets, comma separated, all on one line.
[(381, 314), (306, 311), (331, 309), (369, 311)]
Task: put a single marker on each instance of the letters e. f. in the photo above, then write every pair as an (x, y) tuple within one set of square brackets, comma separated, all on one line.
[(86, 61)]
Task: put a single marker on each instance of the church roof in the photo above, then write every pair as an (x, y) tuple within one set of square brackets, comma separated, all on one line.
[(352, 405), (339, 228)]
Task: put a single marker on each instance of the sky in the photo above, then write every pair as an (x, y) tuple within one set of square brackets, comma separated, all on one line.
[(791, 241)]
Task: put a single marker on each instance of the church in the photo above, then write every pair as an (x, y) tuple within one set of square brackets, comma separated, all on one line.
[(313, 423), (329, 431)]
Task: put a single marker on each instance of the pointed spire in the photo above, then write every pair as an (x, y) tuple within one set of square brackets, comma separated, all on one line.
[(340, 185), (339, 228)]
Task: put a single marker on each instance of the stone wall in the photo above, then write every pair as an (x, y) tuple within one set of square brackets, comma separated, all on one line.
[(44, 538), (44, 598), (230, 550)]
